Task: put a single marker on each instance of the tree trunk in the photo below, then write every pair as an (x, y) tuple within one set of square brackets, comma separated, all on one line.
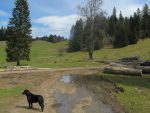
[(123, 71), (90, 55), (18, 63), (91, 46)]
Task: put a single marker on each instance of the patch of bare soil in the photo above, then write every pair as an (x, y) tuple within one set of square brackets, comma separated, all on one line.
[(78, 98)]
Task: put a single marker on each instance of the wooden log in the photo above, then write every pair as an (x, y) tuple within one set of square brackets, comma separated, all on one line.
[(133, 58), (124, 71), (145, 69), (145, 63)]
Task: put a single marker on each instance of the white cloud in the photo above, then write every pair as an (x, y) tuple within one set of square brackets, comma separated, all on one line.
[(3, 13), (59, 25), (130, 9), (127, 7)]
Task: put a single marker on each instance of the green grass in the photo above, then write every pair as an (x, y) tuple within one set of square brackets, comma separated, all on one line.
[(45, 54), (2, 54), (136, 98), (4, 92), (142, 49)]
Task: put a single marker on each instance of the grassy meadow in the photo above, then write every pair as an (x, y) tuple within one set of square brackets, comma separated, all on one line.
[(136, 97), (45, 54)]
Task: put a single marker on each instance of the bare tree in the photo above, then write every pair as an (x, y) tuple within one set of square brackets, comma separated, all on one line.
[(89, 10)]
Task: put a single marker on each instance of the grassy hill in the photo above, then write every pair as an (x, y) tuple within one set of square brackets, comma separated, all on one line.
[(45, 54)]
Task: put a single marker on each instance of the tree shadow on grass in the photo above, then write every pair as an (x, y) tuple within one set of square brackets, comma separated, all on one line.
[(137, 81), (26, 107)]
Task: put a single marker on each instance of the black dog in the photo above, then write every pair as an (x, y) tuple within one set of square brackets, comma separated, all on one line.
[(32, 98)]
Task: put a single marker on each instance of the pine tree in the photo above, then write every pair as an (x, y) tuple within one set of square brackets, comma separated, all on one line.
[(137, 19), (19, 33), (79, 33), (133, 38), (2, 34), (149, 23), (145, 21), (71, 40), (121, 37), (113, 24), (76, 34)]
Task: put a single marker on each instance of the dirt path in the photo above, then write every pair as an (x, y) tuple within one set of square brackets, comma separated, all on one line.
[(53, 70), (46, 89)]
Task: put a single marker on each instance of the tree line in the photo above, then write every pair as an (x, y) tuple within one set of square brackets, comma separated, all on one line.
[(118, 30), (3, 34), (51, 38)]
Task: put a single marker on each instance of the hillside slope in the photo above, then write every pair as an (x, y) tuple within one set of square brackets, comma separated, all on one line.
[(45, 54)]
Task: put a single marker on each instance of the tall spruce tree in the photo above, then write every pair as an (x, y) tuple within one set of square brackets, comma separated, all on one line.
[(121, 37), (19, 33), (76, 37), (145, 21), (2, 34), (137, 20), (113, 24), (149, 23), (133, 36)]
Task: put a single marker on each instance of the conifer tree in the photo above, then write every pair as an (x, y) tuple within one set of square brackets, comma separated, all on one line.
[(19, 33), (133, 38), (121, 37), (2, 34), (76, 34), (145, 21), (137, 19), (112, 23)]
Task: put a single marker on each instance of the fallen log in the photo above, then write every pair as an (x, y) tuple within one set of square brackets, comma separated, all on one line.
[(123, 70), (145, 69), (146, 63), (130, 59)]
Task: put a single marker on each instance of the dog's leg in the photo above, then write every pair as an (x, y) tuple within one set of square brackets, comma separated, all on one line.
[(42, 106), (31, 105)]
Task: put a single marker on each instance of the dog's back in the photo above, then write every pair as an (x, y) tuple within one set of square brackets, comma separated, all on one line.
[(36, 98)]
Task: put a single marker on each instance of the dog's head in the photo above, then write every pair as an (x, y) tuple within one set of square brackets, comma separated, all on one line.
[(26, 92)]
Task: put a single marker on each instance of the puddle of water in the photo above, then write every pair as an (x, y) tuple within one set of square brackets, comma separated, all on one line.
[(67, 78), (65, 102), (68, 101)]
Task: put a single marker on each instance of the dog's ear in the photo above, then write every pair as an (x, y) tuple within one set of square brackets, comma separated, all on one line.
[(26, 92)]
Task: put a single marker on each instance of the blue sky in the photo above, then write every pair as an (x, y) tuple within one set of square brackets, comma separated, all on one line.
[(57, 16)]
